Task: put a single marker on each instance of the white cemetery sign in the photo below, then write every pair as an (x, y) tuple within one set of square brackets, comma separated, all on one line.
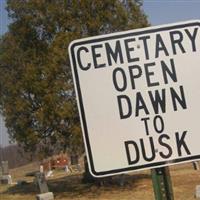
[(139, 97)]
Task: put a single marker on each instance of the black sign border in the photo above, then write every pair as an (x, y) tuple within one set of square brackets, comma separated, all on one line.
[(84, 123)]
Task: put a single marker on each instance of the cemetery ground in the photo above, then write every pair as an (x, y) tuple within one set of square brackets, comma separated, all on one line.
[(69, 186)]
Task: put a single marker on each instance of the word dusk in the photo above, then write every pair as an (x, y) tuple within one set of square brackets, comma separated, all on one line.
[(136, 97)]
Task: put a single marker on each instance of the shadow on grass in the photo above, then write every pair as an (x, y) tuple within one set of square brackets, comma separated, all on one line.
[(72, 186), (28, 188)]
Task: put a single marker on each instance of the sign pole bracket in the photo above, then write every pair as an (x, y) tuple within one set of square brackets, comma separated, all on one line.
[(162, 183)]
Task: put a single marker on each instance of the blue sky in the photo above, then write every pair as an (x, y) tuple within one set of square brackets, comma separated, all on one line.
[(158, 11), (169, 11), (3, 28), (4, 20)]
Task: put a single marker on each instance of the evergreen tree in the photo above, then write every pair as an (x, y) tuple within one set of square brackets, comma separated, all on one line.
[(37, 95)]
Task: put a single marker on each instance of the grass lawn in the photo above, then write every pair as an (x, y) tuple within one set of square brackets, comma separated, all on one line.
[(138, 186)]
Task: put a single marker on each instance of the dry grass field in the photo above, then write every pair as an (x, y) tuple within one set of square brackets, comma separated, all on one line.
[(138, 186)]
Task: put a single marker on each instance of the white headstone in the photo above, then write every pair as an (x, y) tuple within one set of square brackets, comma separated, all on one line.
[(41, 169), (6, 179), (45, 196), (49, 173)]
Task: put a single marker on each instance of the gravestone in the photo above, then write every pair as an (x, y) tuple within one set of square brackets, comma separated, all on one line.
[(45, 196), (122, 178), (75, 163), (41, 182), (49, 173), (41, 168), (197, 195), (5, 177), (74, 160), (4, 166), (196, 165), (43, 187)]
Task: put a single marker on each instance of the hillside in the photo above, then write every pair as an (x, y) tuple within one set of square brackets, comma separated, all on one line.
[(15, 155)]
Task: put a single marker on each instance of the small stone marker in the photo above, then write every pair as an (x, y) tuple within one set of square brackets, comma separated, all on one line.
[(41, 182), (67, 168), (6, 179), (1, 172), (45, 196), (49, 173), (41, 169), (196, 165), (197, 195), (74, 160), (122, 180)]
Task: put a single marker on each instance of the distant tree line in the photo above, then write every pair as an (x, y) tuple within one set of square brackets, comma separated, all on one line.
[(15, 156)]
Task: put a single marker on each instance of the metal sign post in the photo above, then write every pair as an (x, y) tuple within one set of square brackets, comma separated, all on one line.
[(162, 184)]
